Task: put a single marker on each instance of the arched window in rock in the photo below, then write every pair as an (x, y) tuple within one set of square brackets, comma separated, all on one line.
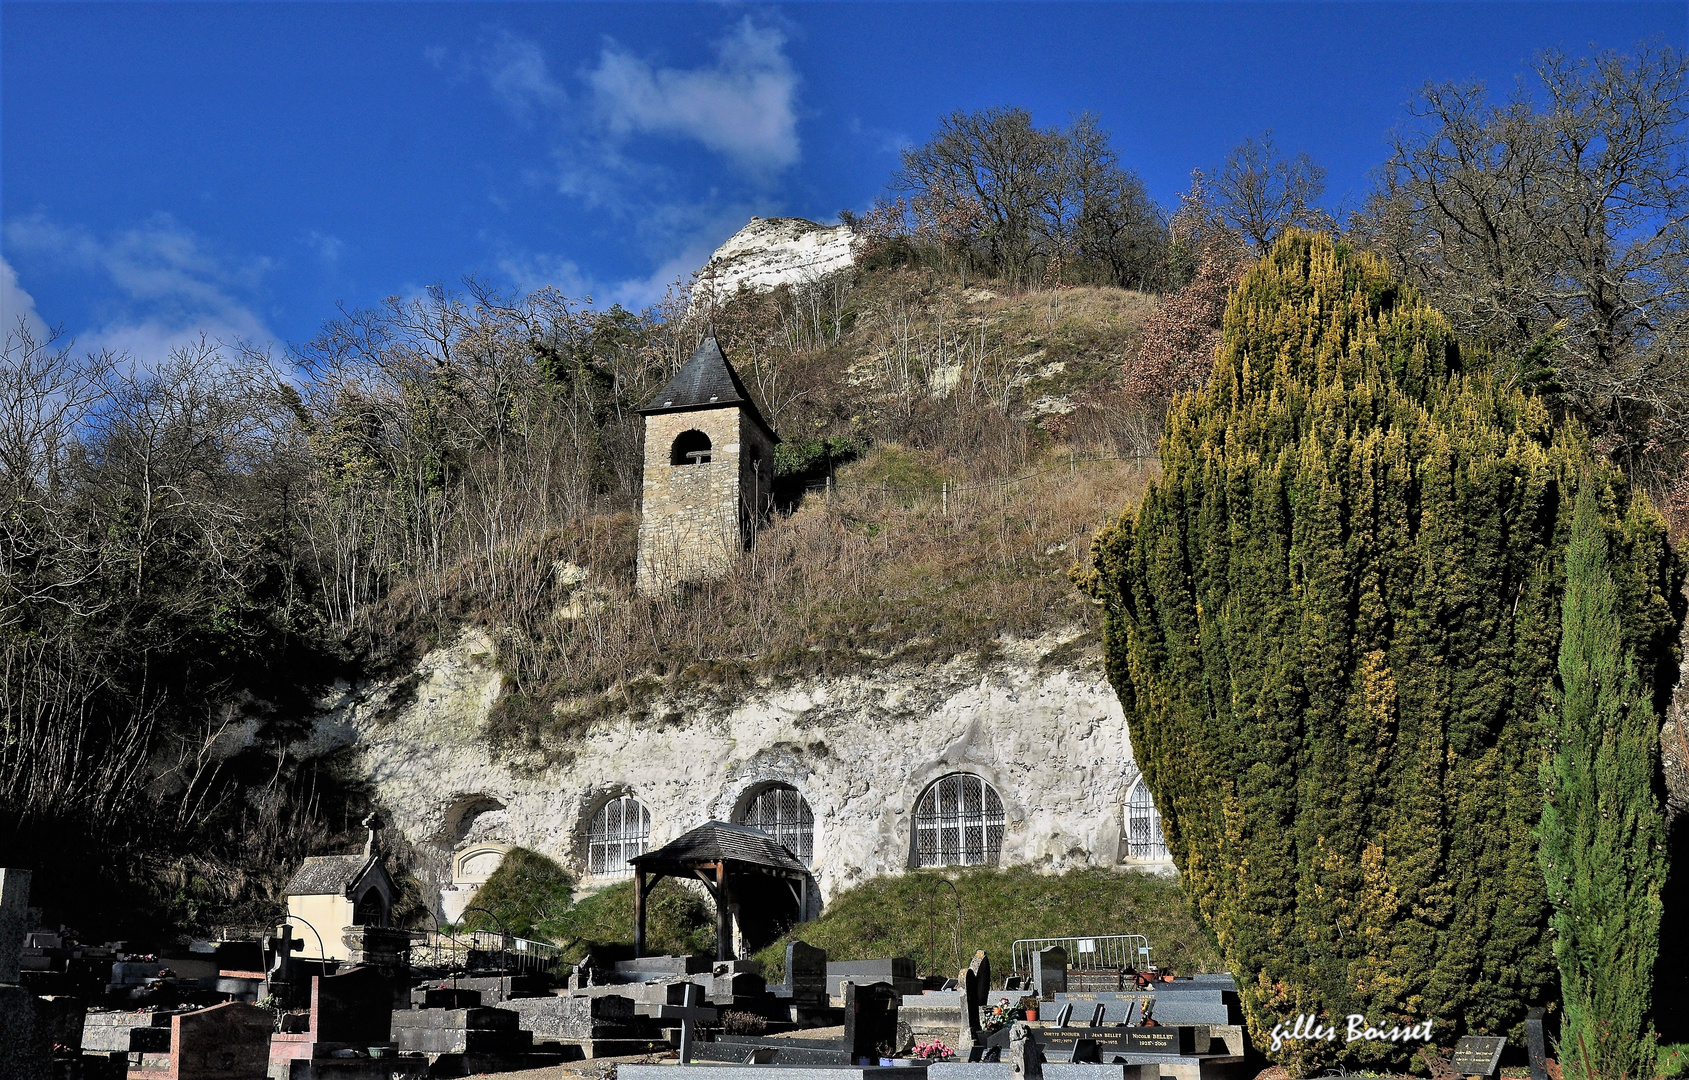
[(1143, 825), (782, 813), (691, 447), (619, 831), (958, 822)]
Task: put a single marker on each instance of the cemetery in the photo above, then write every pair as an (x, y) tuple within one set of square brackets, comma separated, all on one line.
[(396, 1004)]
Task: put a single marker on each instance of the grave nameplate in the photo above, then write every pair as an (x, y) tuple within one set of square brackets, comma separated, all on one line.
[(1478, 1055)]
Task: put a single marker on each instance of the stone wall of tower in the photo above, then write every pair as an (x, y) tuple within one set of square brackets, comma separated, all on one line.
[(696, 518)]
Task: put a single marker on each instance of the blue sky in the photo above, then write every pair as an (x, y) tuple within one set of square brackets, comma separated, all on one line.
[(241, 168)]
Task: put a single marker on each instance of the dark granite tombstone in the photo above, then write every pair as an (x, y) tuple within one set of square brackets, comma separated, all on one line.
[(1049, 972), (351, 1011), (1536, 1044), (14, 921), (806, 975), (870, 1020), (1477, 1055)]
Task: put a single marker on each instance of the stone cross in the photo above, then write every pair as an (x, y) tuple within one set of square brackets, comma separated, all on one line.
[(281, 946), (14, 921)]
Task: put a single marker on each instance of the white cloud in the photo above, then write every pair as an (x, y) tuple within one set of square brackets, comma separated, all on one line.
[(16, 304), (327, 246), (517, 72), (744, 107), (166, 286)]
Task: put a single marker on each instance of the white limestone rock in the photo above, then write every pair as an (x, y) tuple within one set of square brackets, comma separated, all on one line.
[(770, 252), (1051, 739)]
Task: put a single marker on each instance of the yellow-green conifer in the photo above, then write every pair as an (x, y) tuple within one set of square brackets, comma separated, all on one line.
[(1333, 623)]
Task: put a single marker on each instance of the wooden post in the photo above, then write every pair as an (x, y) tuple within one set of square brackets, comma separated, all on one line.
[(638, 913), (723, 915)]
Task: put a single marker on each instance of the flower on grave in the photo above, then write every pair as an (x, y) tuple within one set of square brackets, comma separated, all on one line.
[(934, 1050)]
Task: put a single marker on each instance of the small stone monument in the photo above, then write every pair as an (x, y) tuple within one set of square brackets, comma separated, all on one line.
[(1049, 972), (1025, 1060)]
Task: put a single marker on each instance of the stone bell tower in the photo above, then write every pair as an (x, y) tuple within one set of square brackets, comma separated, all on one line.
[(709, 473)]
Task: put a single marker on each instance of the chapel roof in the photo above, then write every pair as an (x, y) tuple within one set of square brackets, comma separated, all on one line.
[(327, 875), (708, 381), (718, 841)]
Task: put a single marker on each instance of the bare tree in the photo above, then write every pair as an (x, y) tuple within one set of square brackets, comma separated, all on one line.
[(1260, 193), (1556, 227)]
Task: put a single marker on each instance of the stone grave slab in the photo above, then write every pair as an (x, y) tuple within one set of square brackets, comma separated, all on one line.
[(480, 1030), (602, 1025), (897, 971), (782, 1072), (1477, 1055)]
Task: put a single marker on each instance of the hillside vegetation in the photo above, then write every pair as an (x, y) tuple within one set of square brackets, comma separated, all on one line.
[(937, 918)]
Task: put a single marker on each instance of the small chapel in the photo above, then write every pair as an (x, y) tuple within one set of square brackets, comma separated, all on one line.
[(709, 473)]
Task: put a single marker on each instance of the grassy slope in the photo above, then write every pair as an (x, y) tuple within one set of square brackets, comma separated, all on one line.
[(914, 915), (910, 915)]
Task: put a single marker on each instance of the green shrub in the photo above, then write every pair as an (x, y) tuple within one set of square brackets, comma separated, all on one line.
[(1332, 622), (915, 915), (1603, 830), (677, 921), (525, 891)]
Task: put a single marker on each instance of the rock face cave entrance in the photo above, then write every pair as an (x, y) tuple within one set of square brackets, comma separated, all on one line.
[(756, 883)]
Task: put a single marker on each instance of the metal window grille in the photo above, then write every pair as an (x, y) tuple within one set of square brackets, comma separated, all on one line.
[(619, 831), (958, 822), (781, 812), (1143, 825)]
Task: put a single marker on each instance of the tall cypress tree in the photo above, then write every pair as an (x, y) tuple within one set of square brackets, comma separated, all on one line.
[(1603, 834), (1332, 622)]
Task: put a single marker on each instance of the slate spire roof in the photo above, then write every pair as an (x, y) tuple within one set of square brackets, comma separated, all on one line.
[(707, 381)]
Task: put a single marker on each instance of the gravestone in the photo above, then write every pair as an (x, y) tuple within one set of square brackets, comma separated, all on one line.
[(460, 1031), (1536, 1046), (806, 975), (14, 921), (1049, 972), (1025, 1059), (352, 1011), (225, 1042), (870, 1020), (980, 969), (1477, 1055)]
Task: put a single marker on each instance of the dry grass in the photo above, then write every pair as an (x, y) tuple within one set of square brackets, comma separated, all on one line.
[(878, 574)]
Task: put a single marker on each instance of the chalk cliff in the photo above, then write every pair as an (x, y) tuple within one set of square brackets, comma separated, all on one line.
[(770, 252), (1050, 738)]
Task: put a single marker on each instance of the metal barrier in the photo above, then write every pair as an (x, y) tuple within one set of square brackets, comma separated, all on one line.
[(1103, 952), (482, 948)]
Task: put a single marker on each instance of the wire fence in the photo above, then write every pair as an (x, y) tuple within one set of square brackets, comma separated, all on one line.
[(475, 949)]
